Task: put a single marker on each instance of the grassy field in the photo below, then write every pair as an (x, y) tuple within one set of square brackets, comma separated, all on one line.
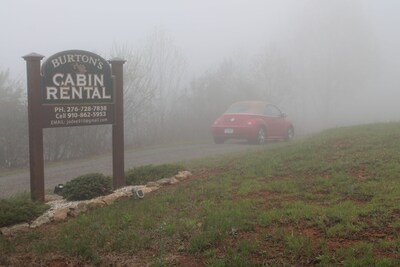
[(328, 200)]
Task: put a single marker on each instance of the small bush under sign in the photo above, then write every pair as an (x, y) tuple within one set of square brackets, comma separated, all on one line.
[(87, 186)]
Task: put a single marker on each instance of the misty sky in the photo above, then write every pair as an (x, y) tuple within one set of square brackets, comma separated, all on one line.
[(205, 31)]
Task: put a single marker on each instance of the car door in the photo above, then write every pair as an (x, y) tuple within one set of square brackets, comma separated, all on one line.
[(275, 122)]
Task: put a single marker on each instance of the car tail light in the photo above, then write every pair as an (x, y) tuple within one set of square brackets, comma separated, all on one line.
[(251, 122), (217, 121)]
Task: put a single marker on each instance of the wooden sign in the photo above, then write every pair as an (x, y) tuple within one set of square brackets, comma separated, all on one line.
[(77, 89), (73, 88)]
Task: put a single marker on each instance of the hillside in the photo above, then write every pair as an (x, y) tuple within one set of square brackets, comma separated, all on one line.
[(327, 200)]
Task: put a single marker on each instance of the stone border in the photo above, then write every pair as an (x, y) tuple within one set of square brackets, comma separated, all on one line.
[(60, 209)]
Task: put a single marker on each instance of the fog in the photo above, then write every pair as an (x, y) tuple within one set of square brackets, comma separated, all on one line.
[(326, 63), (206, 31)]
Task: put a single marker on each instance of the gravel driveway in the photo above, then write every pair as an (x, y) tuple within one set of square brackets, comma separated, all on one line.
[(61, 173)]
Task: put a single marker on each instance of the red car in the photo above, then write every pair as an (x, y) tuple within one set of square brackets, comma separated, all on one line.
[(256, 121)]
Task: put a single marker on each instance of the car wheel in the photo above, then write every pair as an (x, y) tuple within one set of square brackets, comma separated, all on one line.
[(219, 140), (290, 134), (261, 136)]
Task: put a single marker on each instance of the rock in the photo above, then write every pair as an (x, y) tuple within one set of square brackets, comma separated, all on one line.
[(96, 203), (183, 175), (60, 214), (48, 198), (60, 208), (152, 184), (55, 204), (147, 190), (163, 181), (109, 199), (80, 208), (9, 231), (167, 181), (127, 190), (40, 220), (138, 187), (173, 180)]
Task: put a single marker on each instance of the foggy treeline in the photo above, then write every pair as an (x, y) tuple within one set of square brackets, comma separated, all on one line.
[(318, 72)]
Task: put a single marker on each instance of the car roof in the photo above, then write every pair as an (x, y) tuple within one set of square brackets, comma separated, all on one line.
[(252, 102), (256, 107)]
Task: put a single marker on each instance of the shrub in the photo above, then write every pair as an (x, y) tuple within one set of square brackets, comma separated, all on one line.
[(87, 186), (20, 209), (144, 174)]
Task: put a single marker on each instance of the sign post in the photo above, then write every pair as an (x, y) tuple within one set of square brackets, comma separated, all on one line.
[(73, 88), (118, 126), (35, 129)]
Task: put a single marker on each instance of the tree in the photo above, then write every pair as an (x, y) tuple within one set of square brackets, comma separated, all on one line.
[(334, 56), (13, 123), (75, 142), (167, 70), (153, 76), (139, 92), (273, 76)]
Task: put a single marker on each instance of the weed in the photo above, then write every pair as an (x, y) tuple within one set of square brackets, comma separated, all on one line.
[(291, 213), (266, 218), (344, 230), (341, 219), (5, 245), (325, 259), (362, 254), (147, 173), (78, 246), (162, 249), (283, 186), (235, 259), (41, 248), (247, 247), (229, 215), (203, 241), (298, 246), (250, 185), (396, 226)]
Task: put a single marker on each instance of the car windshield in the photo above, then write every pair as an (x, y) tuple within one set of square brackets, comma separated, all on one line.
[(246, 108)]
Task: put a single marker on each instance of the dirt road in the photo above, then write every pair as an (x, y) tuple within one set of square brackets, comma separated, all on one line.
[(63, 172)]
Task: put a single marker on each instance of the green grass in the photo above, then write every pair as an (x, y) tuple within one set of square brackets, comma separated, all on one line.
[(328, 200), (19, 209), (143, 174)]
